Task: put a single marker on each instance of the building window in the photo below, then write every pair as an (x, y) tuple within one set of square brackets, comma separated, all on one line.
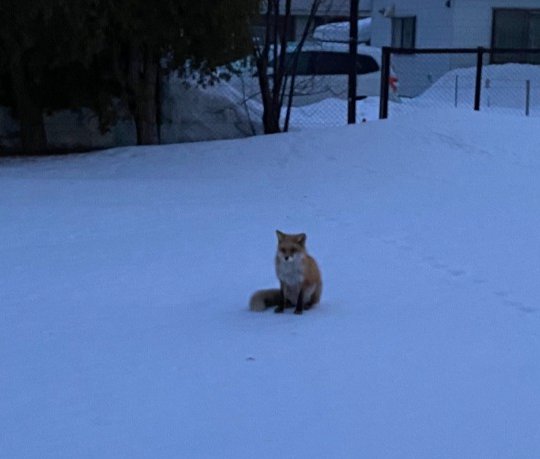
[(516, 29), (404, 32)]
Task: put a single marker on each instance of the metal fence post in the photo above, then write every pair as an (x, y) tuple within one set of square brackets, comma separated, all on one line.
[(385, 77), (353, 51), (478, 86), (527, 97)]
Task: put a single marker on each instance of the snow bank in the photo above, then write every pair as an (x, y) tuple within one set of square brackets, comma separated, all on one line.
[(503, 87), (219, 111), (189, 113), (339, 31)]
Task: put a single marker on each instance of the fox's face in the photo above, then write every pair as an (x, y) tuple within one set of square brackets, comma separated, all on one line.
[(291, 247)]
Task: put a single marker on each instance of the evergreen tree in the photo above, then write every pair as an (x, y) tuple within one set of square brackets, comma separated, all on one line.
[(151, 38), (72, 53), (46, 50), (22, 26)]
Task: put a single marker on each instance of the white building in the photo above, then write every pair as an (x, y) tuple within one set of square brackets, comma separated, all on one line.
[(329, 11), (452, 24)]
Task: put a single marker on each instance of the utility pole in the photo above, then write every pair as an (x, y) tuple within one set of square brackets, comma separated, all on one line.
[(353, 51)]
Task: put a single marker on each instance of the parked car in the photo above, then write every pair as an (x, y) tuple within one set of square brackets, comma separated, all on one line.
[(323, 71)]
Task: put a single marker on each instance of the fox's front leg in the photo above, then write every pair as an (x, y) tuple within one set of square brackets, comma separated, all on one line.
[(300, 303), (281, 306)]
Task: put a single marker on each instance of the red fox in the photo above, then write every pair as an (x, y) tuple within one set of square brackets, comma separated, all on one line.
[(298, 274)]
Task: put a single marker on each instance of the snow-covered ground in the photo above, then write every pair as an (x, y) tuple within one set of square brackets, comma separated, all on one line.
[(125, 276)]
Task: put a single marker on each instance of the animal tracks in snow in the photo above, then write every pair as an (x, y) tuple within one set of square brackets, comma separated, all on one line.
[(508, 300), (451, 271), (457, 273)]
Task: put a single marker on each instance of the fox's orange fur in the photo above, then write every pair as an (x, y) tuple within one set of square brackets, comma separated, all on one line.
[(298, 274)]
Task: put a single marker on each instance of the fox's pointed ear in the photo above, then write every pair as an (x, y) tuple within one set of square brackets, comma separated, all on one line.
[(302, 239), (280, 235)]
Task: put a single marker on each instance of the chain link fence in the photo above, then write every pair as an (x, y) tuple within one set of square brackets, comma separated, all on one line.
[(496, 81), (321, 88), (490, 80)]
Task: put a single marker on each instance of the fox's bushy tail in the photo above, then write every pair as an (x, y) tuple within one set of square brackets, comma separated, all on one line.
[(263, 299)]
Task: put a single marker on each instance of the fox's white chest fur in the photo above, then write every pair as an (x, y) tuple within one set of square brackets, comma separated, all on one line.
[(291, 271), (291, 275)]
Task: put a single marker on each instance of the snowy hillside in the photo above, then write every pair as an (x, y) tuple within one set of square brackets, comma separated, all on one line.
[(125, 276)]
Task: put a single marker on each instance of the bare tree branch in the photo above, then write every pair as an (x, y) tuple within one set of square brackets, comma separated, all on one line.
[(314, 7), (276, 35)]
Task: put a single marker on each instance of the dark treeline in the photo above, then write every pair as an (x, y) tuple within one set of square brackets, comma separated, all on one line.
[(68, 54)]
